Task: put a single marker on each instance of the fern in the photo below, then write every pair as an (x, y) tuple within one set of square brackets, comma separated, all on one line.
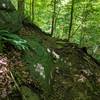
[(13, 39), (36, 57)]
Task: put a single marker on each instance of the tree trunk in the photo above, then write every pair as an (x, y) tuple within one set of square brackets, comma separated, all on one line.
[(53, 18), (21, 7), (33, 9), (71, 20)]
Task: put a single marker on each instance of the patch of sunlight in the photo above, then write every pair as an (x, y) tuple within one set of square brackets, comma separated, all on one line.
[(64, 2)]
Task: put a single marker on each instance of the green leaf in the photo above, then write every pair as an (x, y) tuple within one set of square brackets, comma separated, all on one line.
[(14, 39)]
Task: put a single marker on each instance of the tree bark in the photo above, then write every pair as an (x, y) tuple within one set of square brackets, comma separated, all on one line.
[(21, 7), (71, 20), (53, 18)]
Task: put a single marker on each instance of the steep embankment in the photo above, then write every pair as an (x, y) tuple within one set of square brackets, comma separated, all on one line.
[(76, 75), (50, 69)]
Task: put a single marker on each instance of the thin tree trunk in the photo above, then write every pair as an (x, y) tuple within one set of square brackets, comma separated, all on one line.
[(53, 18), (71, 20), (33, 9), (30, 11), (21, 7)]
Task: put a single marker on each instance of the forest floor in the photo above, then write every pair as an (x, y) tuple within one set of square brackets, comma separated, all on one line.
[(75, 75)]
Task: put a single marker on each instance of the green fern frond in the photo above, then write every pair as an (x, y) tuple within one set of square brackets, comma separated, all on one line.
[(14, 39)]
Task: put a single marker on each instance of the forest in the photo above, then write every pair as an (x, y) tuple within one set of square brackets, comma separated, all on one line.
[(49, 49)]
